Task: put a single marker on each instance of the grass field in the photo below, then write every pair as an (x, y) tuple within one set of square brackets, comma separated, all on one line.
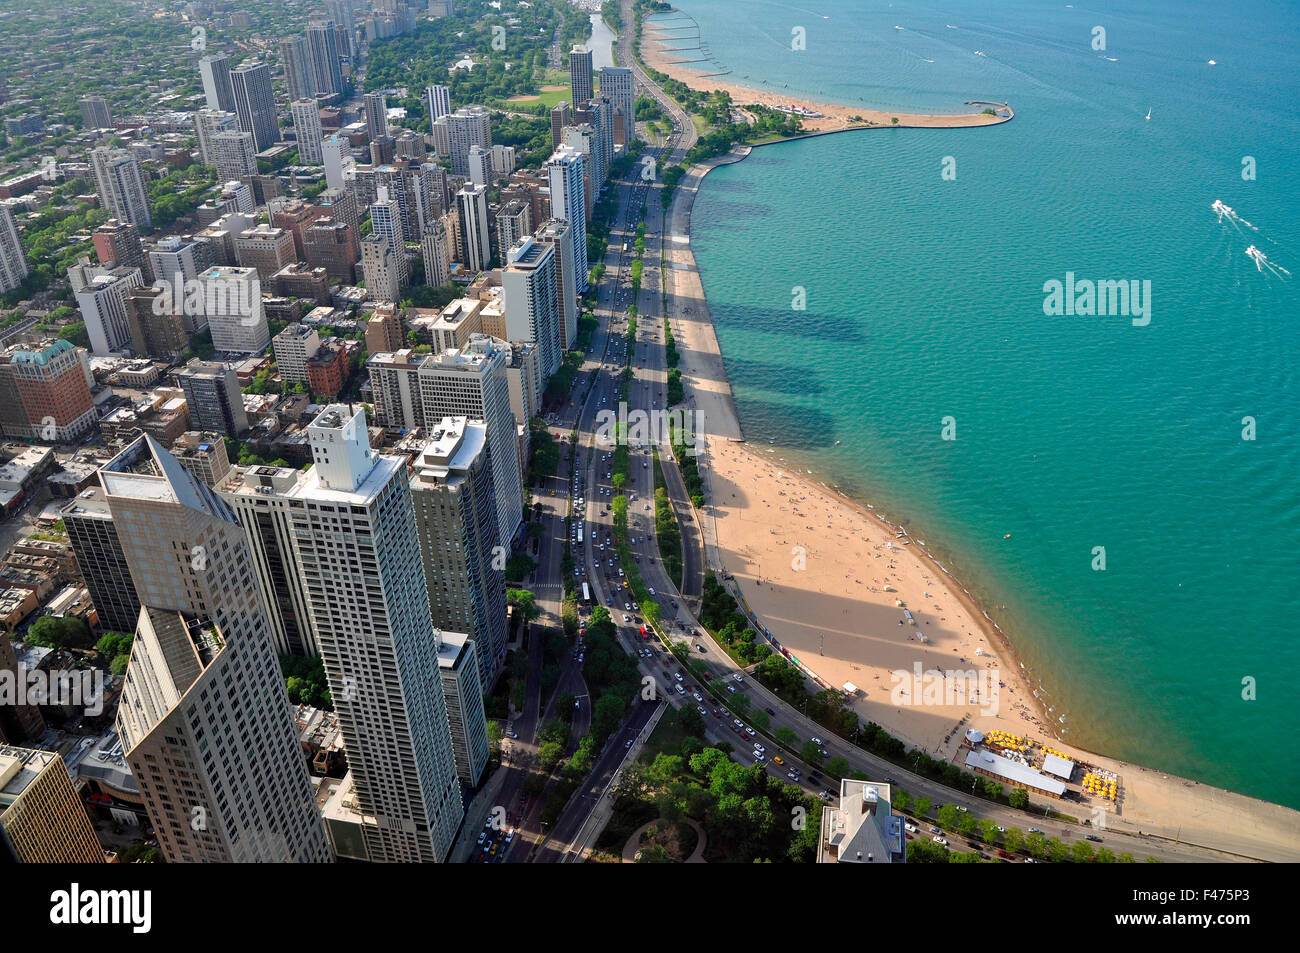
[(550, 96)]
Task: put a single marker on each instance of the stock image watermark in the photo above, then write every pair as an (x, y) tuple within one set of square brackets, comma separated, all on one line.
[(938, 688), (1103, 297), (66, 688), (644, 427)]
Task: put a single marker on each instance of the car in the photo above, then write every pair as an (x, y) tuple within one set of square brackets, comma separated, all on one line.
[(824, 795), (482, 837), (792, 775), (1004, 854), (758, 747), (935, 830), (651, 591), (749, 731), (513, 735), (738, 677), (999, 828), (510, 835), (680, 690), (962, 809), (1034, 830), (627, 606), (972, 845), (823, 752), (1092, 837), (910, 827), (732, 689), (1030, 860), (628, 743), (577, 702), (940, 841), (678, 676), (738, 723), (702, 709), (626, 617), (777, 760), (674, 602)]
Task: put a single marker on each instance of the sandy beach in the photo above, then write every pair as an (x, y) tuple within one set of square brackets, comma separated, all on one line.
[(826, 577), (657, 53)]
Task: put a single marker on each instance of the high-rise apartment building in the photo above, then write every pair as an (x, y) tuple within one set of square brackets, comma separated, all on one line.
[(293, 347), (234, 154), (561, 116), (207, 123), (435, 248), (101, 295), (94, 113), (265, 248), (456, 517), (42, 820), (177, 260), (528, 287), (89, 524), (359, 555), (332, 245), (120, 185), (13, 257), (53, 384), (384, 266), (458, 667), (475, 231), (480, 165), (204, 719), (472, 383), (376, 109), (336, 156), (232, 301), (580, 88), (255, 103), (437, 99), (568, 307), (215, 72), (466, 127), (569, 202), (514, 224), (307, 130), (213, 397), (323, 46), (118, 245), (295, 59), (617, 83)]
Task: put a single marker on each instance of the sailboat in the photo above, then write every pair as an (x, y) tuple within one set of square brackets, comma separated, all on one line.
[(1148, 115)]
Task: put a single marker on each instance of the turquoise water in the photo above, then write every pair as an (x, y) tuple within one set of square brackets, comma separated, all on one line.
[(925, 300)]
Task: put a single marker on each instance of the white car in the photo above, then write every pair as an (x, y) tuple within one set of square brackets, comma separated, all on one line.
[(678, 676), (651, 591), (759, 748), (749, 731), (940, 841), (910, 828), (738, 677), (626, 617)]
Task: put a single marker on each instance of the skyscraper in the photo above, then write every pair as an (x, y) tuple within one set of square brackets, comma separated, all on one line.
[(480, 165), (359, 555), (528, 287), (307, 130), (94, 113), (53, 384), (120, 185), (580, 88), (255, 103), (101, 295), (560, 117), (556, 233), (296, 60), (204, 719), (376, 106), (234, 155), (336, 154), (384, 265), (617, 83), (232, 301), (323, 48), (117, 244), (42, 820), (476, 234), (568, 201), (473, 383), (438, 101), (13, 257), (435, 249), (215, 72), (462, 685), (466, 127), (89, 524), (212, 393), (207, 123), (455, 515)]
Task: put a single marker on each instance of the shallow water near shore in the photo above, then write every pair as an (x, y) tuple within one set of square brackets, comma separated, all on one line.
[(924, 301)]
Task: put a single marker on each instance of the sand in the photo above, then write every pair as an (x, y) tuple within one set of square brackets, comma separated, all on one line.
[(834, 117), (814, 567)]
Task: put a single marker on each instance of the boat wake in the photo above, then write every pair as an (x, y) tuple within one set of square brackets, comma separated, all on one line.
[(1262, 262)]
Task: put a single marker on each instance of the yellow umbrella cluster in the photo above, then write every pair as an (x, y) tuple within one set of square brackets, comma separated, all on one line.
[(1101, 785), (1059, 754), (1005, 739)]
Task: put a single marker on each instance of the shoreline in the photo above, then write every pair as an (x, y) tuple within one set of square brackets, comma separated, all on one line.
[(1153, 803), (834, 117)]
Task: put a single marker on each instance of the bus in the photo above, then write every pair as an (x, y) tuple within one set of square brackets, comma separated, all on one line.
[(586, 594), (579, 534)]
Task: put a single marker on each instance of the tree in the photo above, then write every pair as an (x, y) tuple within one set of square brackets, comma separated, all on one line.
[(948, 817), (1019, 798), (838, 767), (811, 752), (54, 632), (1014, 840), (524, 602), (787, 737), (690, 721), (921, 806)]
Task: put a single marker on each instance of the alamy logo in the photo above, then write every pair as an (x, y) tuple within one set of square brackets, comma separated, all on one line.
[(1103, 297), (641, 427), (78, 688), (76, 906), (935, 688), (221, 297)]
